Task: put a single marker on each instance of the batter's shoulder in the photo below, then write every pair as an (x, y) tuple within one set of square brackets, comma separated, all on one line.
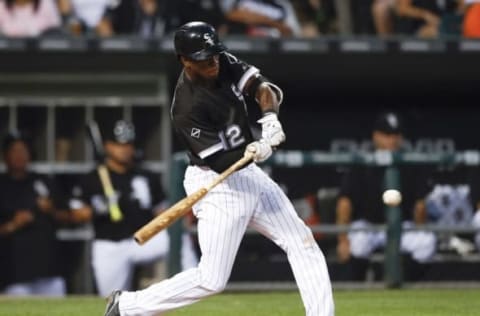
[(185, 97), (188, 101)]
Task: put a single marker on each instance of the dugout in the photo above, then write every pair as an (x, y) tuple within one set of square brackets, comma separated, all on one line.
[(334, 87)]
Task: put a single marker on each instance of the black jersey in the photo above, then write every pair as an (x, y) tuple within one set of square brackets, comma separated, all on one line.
[(212, 121), (30, 251), (364, 185), (139, 192)]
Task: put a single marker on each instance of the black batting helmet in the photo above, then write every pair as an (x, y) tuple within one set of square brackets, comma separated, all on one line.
[(197, 41)]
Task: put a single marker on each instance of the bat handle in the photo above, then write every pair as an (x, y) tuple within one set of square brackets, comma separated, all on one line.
[(113, 207), (115, 213)]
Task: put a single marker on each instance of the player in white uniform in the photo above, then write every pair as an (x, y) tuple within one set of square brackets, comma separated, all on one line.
[(114, 253), (209, 115)]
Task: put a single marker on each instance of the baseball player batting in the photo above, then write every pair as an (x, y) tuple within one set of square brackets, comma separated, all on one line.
[(209, 115)]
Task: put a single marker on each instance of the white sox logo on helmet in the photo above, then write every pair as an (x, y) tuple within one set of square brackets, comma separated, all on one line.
[(208, 39)]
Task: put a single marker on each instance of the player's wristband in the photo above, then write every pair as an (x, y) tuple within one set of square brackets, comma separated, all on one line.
[(268, 116), (269, 111)]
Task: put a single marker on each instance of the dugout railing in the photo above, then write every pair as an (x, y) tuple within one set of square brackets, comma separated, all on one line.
[(393, 275)]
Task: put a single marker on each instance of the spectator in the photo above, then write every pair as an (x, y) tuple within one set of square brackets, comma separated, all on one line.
[(471, 21), (261, 17), (360, 204), (155, 18), (114, 252), (418, 17), (26, 225), (382, 12), (149, 22), (451, 17), (361, 14), (121, 16), (86, 16), (179, 12), (314, 16), (27, 18)]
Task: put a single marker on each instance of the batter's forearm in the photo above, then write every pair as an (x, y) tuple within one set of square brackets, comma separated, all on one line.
[(267, 99)]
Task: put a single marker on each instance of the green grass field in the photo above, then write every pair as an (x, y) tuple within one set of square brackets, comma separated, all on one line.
[(358, 303)]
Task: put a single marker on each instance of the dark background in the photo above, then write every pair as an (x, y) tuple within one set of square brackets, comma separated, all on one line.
[(329, 95)]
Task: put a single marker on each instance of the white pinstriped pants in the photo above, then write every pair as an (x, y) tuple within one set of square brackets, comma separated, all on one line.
[(247, 198)]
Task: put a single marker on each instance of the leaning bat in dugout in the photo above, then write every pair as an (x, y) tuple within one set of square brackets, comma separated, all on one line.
[(183, 206), (103, 173)]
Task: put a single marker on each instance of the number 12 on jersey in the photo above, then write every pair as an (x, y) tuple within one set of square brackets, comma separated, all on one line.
[(231, 137)]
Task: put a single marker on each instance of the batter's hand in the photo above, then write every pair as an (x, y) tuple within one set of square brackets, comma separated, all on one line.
[(261, 150), (272, 130)]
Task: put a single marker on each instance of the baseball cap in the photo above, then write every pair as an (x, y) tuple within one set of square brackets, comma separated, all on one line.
[(123, 132), (389, 123), (12, 137)]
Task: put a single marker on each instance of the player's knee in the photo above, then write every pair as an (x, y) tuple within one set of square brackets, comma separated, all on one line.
[(212, 282), (214, 287)]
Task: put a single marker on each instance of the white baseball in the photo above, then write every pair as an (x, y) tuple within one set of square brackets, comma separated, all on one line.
[(392, 197)]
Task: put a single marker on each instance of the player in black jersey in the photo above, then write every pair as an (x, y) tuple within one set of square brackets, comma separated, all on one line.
[(29, 257), (210, 116), (139, 194), (209, 112), (360, 205)]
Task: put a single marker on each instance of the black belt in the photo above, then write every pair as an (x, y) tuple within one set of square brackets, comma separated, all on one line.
[(203, 167)]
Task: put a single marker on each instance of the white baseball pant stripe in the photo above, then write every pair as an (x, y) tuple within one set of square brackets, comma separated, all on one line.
[(247, 197)]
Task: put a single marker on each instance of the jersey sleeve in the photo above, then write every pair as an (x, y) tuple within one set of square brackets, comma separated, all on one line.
[(239, 70), (196, 128)]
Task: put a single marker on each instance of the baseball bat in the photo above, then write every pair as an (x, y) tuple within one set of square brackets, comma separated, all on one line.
[(183, 206), (104, 175)]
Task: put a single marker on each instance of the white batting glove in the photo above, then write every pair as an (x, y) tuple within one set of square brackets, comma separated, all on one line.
[(272, 130), (261, 150)]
